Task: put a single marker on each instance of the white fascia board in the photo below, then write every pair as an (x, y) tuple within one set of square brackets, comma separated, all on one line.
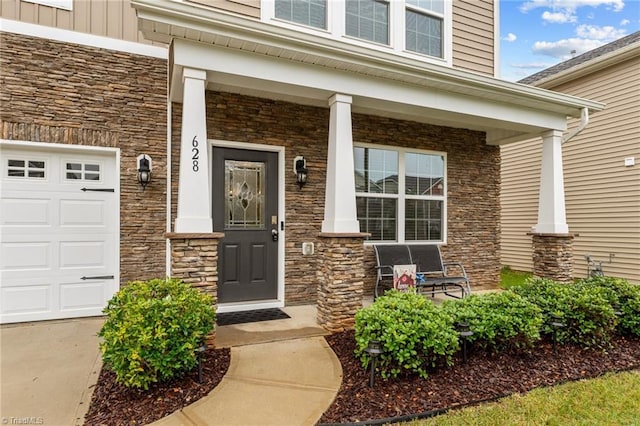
[(186, 19), (237, 68), (83, 39)]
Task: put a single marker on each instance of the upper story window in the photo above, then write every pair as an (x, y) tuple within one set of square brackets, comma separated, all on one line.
[(423, 26), (420, 29), (368, 19), (312, 13)]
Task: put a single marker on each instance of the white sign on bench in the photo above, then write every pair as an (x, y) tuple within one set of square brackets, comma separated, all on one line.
[(404, 277)]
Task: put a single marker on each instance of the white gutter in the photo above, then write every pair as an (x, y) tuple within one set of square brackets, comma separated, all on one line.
[(584, 120)]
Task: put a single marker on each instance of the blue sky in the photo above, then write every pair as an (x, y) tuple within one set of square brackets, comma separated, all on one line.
[(536, 34)]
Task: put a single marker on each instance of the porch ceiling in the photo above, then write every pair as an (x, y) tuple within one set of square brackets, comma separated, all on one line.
[(246, 56)]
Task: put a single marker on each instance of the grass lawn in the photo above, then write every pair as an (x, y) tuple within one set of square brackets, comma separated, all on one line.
[(613, 399), (510, 278)]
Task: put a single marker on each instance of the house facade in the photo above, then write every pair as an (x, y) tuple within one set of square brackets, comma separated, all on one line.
[(601, 171), (285, 137)]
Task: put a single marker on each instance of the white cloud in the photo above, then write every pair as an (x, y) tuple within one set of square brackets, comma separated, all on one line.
[(562, 49), (511, 37), (594, 32), (559, 17), (624, 22), (571, 5)]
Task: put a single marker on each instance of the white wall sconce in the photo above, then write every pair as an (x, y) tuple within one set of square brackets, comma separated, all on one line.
[(144, 170), (300, 169)]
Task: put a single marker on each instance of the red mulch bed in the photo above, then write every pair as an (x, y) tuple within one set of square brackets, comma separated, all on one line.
[(115, 404), (483, 377)]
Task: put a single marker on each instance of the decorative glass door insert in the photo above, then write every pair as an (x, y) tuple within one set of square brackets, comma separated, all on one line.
[(244, 186)]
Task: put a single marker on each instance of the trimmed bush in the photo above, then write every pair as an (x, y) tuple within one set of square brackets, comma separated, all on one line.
[(414, 333), (499, 321), (585, 310), (621, 295), (153, 329)]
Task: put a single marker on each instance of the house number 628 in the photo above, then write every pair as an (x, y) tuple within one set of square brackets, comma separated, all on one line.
[(196, 154)]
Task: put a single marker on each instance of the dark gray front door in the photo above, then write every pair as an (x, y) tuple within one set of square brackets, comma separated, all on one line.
[(245, 208)]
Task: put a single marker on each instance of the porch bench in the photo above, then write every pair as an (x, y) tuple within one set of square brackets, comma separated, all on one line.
[(432, 274)]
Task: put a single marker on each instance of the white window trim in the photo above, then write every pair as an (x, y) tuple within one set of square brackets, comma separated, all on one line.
[(336, 11), (60, 4), (401, 196)]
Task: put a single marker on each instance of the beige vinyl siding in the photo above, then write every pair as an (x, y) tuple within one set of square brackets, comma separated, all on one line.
[(242, 7), (520, 177), (112, 18), (602, 195), (473, 35)]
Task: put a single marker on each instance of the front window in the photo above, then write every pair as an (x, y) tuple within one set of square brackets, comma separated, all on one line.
[(368, 19), (312, 13), (400, 194)]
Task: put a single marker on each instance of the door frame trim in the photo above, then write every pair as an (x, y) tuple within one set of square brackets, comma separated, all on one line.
[(280, 150)]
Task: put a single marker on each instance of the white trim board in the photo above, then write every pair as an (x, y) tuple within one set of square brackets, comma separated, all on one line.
[(67, 36)]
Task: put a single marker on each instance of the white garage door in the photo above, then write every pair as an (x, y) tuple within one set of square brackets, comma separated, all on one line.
[(59, 232)]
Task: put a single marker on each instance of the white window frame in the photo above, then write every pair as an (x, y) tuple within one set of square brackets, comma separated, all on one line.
[(336, 17), (430, 13), (401, 196)]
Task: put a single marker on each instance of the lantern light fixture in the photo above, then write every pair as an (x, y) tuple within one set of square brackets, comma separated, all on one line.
[(144, 170), (301, 171)]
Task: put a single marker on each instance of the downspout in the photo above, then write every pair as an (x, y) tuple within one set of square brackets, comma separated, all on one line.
[(168, 241), (584, 120)]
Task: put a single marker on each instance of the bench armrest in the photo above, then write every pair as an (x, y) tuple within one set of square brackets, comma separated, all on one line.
[(455, 264)]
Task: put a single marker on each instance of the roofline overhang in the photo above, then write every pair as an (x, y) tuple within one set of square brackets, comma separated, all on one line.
[(625, 53), (166, 20)]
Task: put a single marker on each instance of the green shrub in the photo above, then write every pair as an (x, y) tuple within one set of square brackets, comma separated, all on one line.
[(153, 329), (585, 310), (621, 295), (499, 321), (414, 333)]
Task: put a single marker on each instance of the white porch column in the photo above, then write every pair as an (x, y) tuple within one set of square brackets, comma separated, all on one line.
[(340, 198), (551, 209), (194, 194)]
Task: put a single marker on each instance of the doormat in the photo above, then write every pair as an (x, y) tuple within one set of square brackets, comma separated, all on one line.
[(228, 318)]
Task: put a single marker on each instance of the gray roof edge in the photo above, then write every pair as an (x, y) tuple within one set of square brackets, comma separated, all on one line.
[(584, 59)]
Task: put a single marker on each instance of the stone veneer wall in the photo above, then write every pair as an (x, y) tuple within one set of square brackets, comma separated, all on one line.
[(340, 280), (194, 260), (473, 175), (553, 256), (71, 94)]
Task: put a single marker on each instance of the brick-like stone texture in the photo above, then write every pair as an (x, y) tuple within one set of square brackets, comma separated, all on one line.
[(553, 257), (340, 281), (65, 93), (194, 260), (473, 174)]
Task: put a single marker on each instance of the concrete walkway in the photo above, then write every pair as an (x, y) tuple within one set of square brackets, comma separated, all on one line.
[(290, 382), (48, 370)]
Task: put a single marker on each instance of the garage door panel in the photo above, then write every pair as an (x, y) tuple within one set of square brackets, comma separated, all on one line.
[(83, 295), (83, 254), (82, 213), (25, 299), (25, 256), (22, 212)]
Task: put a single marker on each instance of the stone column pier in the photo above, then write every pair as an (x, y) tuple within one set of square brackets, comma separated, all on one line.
[(194, 260), (553, 256), (341, 279)]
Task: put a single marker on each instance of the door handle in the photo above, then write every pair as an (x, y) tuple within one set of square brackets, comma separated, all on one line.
[(98, 277), (274, 234)]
